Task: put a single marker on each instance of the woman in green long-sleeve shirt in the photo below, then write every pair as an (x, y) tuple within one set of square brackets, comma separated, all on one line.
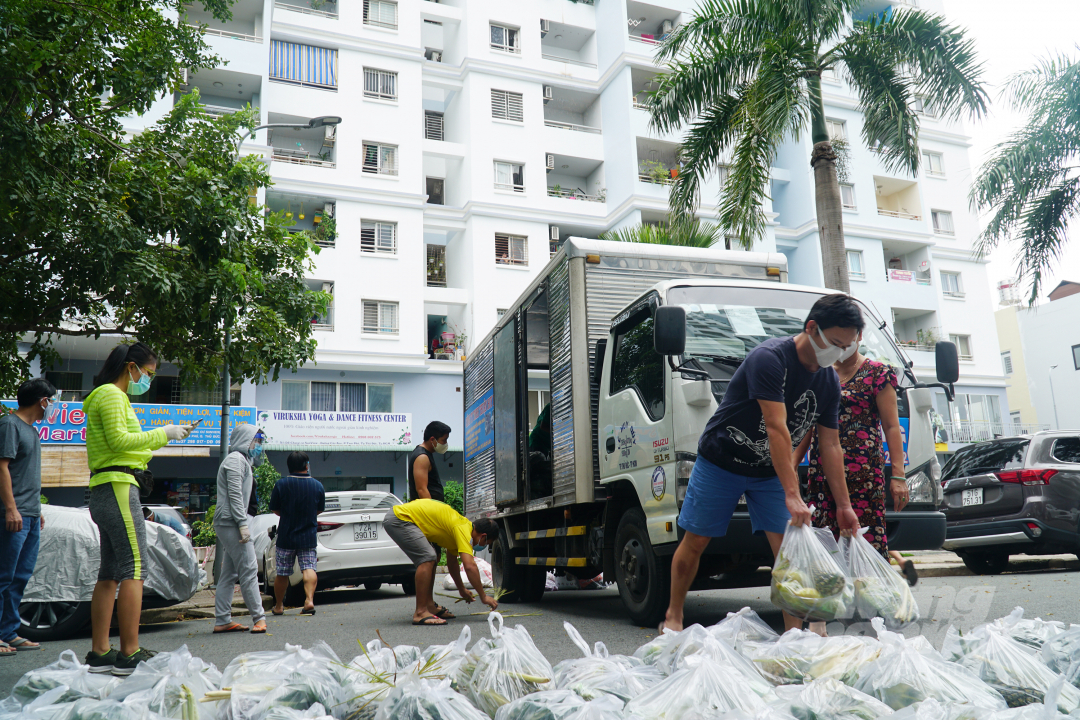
[(116, 448)]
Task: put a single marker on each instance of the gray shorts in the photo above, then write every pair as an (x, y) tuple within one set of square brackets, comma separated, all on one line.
[(411, 541), (116, 509)]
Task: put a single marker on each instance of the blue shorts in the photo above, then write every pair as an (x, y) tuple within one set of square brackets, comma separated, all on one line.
[(713, 495), (285, 560)]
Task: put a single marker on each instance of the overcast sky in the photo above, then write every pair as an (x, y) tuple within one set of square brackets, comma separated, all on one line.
[(1011, 35)]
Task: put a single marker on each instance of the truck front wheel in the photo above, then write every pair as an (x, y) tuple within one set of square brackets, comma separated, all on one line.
[(522, 583), (644, 579)]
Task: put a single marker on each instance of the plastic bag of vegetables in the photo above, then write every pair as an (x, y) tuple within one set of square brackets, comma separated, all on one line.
[(830, 700), (931, 709), (1047, 710), (598, 674), (800, 656), (701, 685), (171, 684), (1009, 667), (561, 705), (295, 678), (910, 671), (1033, 632), (880, 591), (742, 626), (1061, 653), (513, 668), (446, 659), (807, 579), (669, 652), (66, 671), (415, 698), (315, 712)]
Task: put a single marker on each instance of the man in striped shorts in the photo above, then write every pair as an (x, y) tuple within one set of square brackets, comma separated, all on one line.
[(297, 500)]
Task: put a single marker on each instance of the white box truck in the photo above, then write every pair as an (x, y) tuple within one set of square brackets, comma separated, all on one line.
[(580, 437)]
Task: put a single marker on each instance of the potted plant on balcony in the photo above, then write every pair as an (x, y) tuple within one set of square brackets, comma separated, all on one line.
[(655, 171)]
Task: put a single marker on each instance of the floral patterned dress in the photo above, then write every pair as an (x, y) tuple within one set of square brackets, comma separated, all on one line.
[(864, 456)]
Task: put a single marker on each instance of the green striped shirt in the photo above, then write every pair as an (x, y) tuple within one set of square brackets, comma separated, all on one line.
[(114, 436)]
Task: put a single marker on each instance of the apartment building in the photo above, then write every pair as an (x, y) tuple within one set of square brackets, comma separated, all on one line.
[(475, 135)]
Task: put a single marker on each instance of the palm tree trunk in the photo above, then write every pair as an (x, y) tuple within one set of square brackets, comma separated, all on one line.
[(830, 213)]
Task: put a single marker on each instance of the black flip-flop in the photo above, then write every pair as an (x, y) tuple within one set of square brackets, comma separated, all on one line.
[(231, 628), (429, 620), (275, 612), (910, 572), (307, 611), (444, 613)]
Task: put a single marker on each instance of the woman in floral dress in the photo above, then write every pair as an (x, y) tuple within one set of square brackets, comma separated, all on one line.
[(867, 411)]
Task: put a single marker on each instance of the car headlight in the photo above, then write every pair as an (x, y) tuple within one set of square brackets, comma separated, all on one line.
[(684, 465)]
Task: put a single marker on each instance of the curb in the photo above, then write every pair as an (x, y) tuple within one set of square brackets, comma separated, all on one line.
[(195, 611)]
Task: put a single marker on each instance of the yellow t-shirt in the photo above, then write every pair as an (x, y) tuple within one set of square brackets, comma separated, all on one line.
[(440, 523)]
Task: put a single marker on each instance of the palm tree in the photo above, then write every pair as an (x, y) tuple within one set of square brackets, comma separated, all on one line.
[(745, 75), (695, 234), (1032, 181)]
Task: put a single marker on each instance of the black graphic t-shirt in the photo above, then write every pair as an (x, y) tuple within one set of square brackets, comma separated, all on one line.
[(735, 437)]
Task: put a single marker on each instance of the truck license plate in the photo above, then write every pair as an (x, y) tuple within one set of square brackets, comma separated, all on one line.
[(366, 531), (974, 496)]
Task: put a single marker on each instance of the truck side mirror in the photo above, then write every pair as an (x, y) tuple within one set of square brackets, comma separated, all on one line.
[(669, 330), (948, 362), (598, 362)]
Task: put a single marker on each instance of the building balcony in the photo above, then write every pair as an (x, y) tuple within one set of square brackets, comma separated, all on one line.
[(575, 195), (570, 44), (571, 126), (317, 8), (222, 32), (223, 92), (971, 431)]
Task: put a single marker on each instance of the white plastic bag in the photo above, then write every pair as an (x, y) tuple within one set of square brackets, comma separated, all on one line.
[(1033, 632), (295, 678), (1009, 667), (171, 684), (598, 673), (830, 700), (905, 673), (696, 640), (807, 578), (931, 709), (880, 591), (315, 712), (1061, 653), (418, 699), (513, 668), (446, 659), (482, 565), (742, 626), (800, 656), (67, 671), (561, 705), (702, 685)]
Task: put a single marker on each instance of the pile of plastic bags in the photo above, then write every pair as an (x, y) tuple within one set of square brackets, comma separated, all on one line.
[(738, 669)]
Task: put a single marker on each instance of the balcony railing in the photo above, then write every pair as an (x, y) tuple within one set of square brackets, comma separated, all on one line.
[(655, 181), (226, 33), (218, 110), (323, 322), (898, 214), (969, 431), (306, 10), (300, 157), (645, 40), (571, 126), (573, 195), (572, 61), (640, 105)]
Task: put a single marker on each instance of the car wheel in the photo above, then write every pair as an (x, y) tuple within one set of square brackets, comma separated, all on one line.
[(372, 586), (986, 563), (408, 585), (644, 579), (43, 621)]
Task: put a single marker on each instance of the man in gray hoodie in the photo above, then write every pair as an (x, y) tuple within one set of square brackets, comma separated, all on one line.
[(234, 482)]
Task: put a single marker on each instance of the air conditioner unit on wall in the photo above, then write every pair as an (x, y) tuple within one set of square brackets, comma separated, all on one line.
[(554, 233), (549, 93), (545, 27), (328, 210), (666, 27), (550, 163)]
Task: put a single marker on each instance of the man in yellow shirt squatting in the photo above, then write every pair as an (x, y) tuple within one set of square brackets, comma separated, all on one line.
[(423, 526)]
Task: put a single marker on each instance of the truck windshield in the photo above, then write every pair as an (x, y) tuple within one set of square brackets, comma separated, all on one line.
[(723, 324)]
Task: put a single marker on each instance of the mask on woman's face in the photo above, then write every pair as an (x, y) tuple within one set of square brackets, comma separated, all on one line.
[(258, 455), (140, 386)]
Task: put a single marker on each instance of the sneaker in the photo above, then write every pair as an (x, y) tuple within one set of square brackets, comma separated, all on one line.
[(126, 664), (101, 663)]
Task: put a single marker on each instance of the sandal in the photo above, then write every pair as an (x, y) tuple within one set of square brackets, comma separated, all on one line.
[(307, 611), (429, 620), (443, 613), (256, 630), (20, 644), (230, 628), (275, 612), (6, 650)]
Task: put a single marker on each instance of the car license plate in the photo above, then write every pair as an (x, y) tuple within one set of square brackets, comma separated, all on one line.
[(974, 496), (365, 531)]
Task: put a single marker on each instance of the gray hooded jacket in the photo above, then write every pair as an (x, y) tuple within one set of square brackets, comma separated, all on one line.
[(234, 479)]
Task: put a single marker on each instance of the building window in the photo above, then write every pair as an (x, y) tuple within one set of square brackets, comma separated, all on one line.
[(723, 173), (855, 264), (511, 249), (435, 188), (325, 321), (380, 318), (933, 164), (380, 84), (950, 284), (977, 408), (323, 397), (334, 397), (68, 383), (847, 196), (1006, 362), (837, 129), (1076, 356), (924, 107), (506, 105), (294, 395), (963, 345), (499, 312), (436, 266), (509, 176), (366, 397), (378, 237), (380, 159), (303, 64), (942, 222), (505, 39), (433, 125), (380, 13)]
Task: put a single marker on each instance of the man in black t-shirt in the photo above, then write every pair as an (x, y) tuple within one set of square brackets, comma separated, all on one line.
[(424, 481), (782, 390)]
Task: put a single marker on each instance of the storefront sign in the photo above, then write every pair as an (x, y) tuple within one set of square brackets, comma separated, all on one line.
[(902, 276), (67, 423), (303, 429), (480, 425)]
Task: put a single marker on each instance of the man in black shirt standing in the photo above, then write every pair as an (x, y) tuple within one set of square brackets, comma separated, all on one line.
[(424, 479), (297, 500), (782, 390)]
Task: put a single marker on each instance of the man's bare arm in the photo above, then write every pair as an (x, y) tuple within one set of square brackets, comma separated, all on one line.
[(775, 416), (421, 466)]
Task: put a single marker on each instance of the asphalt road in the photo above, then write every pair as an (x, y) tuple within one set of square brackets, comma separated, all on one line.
[(346, 616)]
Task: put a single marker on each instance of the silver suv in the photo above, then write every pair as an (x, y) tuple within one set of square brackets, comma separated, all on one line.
[(1011, 496)]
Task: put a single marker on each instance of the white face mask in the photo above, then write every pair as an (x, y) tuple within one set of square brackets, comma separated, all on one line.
[(829, 354), (849, 351), (441, 448)]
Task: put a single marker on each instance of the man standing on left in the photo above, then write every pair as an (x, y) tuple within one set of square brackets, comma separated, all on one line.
[(20, 495)]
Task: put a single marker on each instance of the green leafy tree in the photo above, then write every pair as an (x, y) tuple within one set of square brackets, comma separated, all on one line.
[(150, 236), (202, 531), (695, 234), (1031, 184), (455, 495), (745, 76), (266, 477)]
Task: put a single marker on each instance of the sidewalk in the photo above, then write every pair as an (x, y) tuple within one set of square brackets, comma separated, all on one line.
[(941, 563)]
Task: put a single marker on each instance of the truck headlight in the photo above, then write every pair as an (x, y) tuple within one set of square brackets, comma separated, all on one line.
[(924, 484), (684, 465)]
